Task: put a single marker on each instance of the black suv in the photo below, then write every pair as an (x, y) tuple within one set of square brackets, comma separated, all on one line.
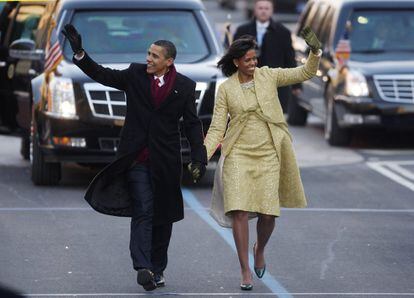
[(375, 88), (78, 120), (19, 23)]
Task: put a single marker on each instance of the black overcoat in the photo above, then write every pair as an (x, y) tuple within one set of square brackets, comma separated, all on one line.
[(156, 128), (276, 51)]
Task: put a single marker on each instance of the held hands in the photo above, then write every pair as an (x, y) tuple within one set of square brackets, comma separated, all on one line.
[(311, 39), (197, 170), (73, 37)]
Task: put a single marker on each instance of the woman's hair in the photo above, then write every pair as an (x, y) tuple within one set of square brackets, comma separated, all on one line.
[(237, 49)]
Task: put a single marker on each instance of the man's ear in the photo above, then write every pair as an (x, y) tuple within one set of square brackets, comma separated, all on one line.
[(170, 61)]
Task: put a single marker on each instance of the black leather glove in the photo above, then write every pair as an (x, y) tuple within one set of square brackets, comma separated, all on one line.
[(197, 170), (73, 37), (311, 39)]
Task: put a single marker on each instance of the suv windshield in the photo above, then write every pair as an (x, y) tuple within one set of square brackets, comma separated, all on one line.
[(382, 31), (125, 36)]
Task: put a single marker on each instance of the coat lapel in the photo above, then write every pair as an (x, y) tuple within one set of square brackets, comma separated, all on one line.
[(238, 92), (259, 88), (173, 93), (253, 29), (145, 83)]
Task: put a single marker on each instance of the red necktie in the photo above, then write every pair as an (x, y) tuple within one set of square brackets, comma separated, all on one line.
[(157, 82)]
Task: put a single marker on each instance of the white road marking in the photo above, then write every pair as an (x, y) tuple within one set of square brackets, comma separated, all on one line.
[(393, 171), (268, 280), (388, 152), (336, 294), (350, 210), (403, 172)]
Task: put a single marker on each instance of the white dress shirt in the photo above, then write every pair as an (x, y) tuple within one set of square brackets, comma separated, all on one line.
[(161, 78), (261, 30)]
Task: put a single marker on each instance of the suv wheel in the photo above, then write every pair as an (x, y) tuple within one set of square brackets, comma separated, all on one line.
[(297, 115), (25, 147), (334, 134), (43, 173)]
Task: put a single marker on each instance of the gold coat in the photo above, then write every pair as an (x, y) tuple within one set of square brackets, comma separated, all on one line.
[(230, 101)]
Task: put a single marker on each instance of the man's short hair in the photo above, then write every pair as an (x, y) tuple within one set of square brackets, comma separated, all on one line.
[(170, 49), (271, 1)]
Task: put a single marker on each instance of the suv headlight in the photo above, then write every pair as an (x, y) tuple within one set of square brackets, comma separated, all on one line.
[(356, 84), (61, 101)]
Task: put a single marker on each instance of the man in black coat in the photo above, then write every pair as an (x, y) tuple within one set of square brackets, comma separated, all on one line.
[(144, 181), (275, 44)]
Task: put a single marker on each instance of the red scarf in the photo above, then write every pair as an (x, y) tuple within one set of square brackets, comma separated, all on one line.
[(158, 95)]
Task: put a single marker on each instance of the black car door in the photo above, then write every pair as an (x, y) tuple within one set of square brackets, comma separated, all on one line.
[(15, 100), (7, 119)]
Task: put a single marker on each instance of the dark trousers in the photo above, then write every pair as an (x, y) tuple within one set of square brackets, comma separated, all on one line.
[(148, 244)]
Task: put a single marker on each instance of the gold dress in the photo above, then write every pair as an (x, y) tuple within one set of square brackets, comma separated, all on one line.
[(249, 175), (251, 170)]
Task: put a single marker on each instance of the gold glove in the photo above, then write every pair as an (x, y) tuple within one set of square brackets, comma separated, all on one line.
[(311, 39)]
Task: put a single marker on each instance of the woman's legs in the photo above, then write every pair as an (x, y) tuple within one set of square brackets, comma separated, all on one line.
[(265, 227), (241, 238)]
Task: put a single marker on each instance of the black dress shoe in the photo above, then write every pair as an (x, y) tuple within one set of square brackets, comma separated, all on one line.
[(159, 279), (145, 278)]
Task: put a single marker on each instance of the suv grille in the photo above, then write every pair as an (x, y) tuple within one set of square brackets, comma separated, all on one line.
[(395, 88), (105, 102), (108, 144), (110, 103)]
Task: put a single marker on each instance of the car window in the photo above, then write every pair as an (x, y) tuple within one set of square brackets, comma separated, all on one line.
[(124, 36), (26, 22), (382, 31), (3, 21)]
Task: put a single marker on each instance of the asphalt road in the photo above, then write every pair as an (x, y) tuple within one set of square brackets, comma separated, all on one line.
[(356, 238)]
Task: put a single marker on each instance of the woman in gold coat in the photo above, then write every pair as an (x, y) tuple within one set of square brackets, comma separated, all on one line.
[(259, 171)]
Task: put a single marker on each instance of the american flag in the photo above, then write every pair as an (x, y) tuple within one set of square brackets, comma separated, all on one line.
[(343, 49), (53, 50)]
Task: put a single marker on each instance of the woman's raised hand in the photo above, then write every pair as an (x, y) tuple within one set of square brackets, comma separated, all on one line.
[(310, 37)]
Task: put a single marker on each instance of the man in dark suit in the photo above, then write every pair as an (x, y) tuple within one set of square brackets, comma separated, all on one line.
[(144, 181), (275, 44)]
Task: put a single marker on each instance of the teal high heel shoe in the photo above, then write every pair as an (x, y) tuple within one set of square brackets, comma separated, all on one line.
[(259, 271), (246, 287)]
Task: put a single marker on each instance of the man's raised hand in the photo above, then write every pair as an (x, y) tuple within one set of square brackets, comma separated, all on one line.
[(73, 37)]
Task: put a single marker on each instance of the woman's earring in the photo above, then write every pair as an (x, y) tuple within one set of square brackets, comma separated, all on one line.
[(236, 65)]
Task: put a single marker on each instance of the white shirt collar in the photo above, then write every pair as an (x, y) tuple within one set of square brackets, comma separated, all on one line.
[(262, 25), (161, 78)]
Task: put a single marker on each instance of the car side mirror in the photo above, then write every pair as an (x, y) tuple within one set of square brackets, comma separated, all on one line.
[(25, 48), (23, 44)]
